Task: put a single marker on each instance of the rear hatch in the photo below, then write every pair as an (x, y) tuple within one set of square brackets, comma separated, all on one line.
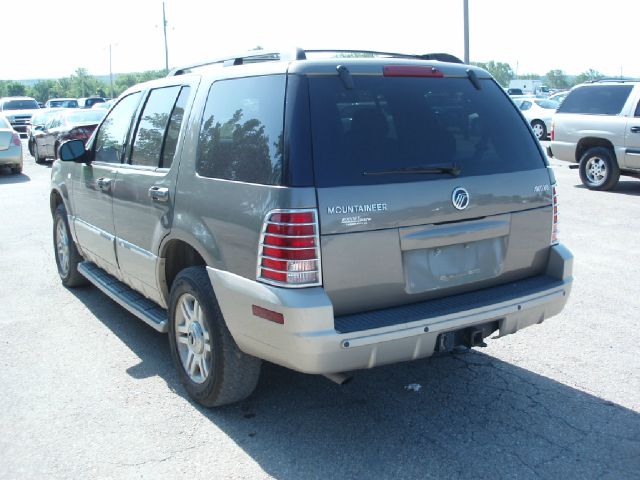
[(427, 186)]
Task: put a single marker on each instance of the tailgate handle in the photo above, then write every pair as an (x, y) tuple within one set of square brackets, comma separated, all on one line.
[(635, 129), (159, 194)]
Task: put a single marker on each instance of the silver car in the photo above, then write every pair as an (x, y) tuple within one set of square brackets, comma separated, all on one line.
[(538, 112), (10, 147)]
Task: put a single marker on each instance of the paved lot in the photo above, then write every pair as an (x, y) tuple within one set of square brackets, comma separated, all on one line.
[(90, 392)]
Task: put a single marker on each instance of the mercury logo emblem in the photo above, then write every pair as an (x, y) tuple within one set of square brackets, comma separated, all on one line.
[(460, 198)]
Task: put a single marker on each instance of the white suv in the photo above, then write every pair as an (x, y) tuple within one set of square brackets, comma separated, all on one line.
[(598, 125)]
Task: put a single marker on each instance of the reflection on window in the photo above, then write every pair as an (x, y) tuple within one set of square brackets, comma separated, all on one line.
[(175, 122), (153, 123), (242, 130), (111, 137)]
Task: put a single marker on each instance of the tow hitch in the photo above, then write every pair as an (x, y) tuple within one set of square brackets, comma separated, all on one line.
[(465, 338)]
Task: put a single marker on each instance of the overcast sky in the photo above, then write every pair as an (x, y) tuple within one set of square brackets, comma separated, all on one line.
[(50, 39)]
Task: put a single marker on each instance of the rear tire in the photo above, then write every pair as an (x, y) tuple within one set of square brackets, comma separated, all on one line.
[(66, 253), (599, 169), (210, 365), (36, 153), (540, 129), (16, 170)]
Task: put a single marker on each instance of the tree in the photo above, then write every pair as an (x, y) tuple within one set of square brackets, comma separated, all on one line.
[(588, 76), (43, 90), (16, 89), (557, 79), (502, 72), (529, 76)]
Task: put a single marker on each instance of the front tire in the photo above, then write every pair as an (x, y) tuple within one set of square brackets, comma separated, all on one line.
[(210, 365), (599, 169), (66, 253), (540, 129), (36, 153)]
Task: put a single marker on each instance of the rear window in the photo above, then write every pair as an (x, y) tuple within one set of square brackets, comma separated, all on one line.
[(596, 100), (388, 124)]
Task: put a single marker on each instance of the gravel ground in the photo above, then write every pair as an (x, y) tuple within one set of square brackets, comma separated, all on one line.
[(88, 391)]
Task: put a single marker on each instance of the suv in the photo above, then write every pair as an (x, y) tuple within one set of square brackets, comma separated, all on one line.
[(19, 110), (326, 215), (598, 125)]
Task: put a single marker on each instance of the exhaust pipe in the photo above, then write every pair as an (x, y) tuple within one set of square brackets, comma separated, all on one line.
[(339, 378)]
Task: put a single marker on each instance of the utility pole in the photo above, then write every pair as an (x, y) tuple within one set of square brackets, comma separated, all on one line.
[(166, 49), (110, 73), (466, 30)]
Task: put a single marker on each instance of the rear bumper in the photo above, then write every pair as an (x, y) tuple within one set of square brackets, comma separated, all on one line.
[(11, 156), (309, 342)]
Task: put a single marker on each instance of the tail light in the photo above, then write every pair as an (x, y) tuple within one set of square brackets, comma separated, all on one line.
[(554, 228), (78, 133), (15, 139), (553, 128), (289, 252)]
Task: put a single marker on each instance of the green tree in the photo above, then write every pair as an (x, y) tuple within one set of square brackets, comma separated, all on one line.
[(502, 72), (557, 79), (588, 76), (43, 90), (16, 89), (529, 76)]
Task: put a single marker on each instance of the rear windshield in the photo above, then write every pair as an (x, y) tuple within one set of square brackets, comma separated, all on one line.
[(20, 105), (596, 100), (385, 124), (88, 116), (64, 103)]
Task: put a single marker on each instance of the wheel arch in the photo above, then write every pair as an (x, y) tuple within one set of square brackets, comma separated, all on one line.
[(176, 254), (590, 142)]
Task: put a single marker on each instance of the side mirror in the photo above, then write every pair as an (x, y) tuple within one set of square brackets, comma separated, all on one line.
[(74, 151)]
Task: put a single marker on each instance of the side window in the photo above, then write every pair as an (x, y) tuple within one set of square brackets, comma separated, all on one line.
[(110, 139), (637, 113), (242, 130), (596, 100), (153, 124), (525, 106), (175, 122)]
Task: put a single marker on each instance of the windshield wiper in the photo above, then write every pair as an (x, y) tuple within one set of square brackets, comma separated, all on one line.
[(451, 170)]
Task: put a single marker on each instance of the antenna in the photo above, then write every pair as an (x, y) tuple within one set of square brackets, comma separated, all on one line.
[(166, 48)]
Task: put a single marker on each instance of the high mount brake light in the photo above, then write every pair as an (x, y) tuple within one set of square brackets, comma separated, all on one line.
[(411, 71), (289, 251), (554, 228)]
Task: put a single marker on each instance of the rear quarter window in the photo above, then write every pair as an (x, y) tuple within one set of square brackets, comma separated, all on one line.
[(596, 100), (388, 124), (241, 136)]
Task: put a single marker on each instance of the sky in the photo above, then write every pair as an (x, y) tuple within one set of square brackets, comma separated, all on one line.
[(52, 39)]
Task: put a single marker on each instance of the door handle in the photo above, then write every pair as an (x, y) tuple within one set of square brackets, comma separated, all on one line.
[(104, 184), (635, 129), (160, 194)]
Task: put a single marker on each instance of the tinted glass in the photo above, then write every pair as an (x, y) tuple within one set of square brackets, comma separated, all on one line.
[(175, 122), (112, 135), (526, 105), (20, 105), (387, 124), (242, 129), (153, 123), (637, 113), (596, 100)]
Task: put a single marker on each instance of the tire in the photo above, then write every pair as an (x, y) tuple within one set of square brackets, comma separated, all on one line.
[(599, 169), (30, 146), (214, 372), (36, 153), (16, 170), (66, 253), (539, 129)]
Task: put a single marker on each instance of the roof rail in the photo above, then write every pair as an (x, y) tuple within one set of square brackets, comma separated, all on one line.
[(255, 56), (614, 79)]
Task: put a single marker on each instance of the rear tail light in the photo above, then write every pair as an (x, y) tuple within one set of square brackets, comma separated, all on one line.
[(78, 133), (15, 139), (554, 228), (553, 129), (289, 252)]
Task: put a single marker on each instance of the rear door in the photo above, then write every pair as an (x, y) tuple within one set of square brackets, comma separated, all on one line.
[(426, 187), (632, 138), (143, 194)]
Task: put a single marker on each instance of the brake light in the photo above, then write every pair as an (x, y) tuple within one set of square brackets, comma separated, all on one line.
[(553, 128), (15, 139), (289, 251), (554, 228), (411, 71), (78, 133)]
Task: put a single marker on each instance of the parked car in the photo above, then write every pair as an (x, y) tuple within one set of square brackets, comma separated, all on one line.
[(326, 215), (538, 112), (62, 126), (89, 102), (598, 125), (559, 97), (514, 91), (105, 105), (38, 121), (18, 110), (10, 147), (61, 103)]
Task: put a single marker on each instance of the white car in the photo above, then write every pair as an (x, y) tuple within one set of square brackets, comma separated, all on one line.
[(538, 112)]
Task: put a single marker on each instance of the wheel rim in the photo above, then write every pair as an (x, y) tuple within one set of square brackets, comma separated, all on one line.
[(193, 338), (62, 247), (596, 171), (538, 130)]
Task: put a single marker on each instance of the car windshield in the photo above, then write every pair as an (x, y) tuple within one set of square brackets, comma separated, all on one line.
[(25, 104), (87, 116)]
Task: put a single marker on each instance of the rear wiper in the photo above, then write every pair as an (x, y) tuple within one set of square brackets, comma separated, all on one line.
[(451, 170)]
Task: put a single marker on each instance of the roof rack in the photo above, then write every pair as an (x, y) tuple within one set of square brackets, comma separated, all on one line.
[(255, 56), (614, 79)]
